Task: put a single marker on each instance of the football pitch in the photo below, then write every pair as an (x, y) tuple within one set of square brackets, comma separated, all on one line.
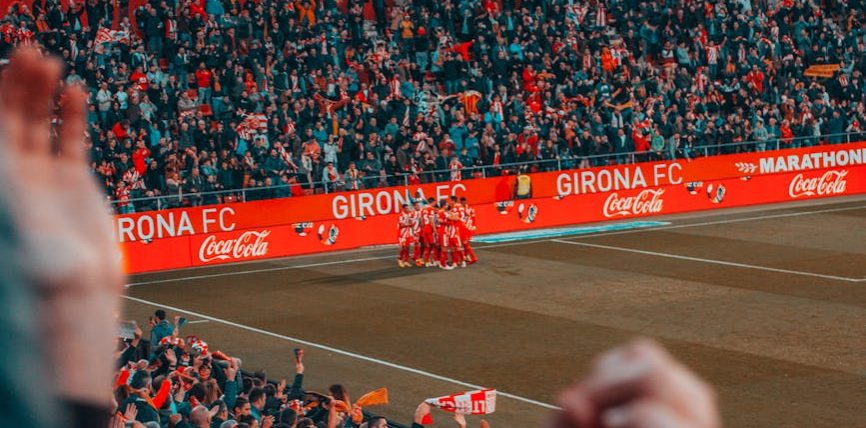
[(768, 304)]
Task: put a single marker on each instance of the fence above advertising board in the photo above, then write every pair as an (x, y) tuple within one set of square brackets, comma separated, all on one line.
[(248, 231), (560, 163)]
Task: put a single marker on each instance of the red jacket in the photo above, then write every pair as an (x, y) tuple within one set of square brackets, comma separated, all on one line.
[(463, 49), (532, 141), (529, 81), (138, 157), (203, 78), (139, 80), (787, 133), (641, 142), (119, 131), (757, 79)]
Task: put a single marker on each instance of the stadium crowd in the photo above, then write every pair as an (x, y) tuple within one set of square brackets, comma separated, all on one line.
[(172, 381), (322, 95)]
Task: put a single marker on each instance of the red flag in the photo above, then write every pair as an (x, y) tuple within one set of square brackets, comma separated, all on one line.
[(252, 122), (284, 155), (133, 179), (105, 35)]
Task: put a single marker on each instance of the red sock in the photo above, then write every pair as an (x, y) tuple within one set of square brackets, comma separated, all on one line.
[(443, 256), (471, 253), (456, 257), (416, 251), (404, 252)]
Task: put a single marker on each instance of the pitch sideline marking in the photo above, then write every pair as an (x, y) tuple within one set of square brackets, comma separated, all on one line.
[(244, 272), (733, 220), (698, 259), (506, 244), (342, 352)]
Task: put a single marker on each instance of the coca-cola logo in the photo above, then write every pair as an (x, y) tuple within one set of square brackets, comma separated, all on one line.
[(829, 183), (248, 244), (648, 201)]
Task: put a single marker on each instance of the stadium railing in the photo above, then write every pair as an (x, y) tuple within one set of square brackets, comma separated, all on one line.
[(560, 163)]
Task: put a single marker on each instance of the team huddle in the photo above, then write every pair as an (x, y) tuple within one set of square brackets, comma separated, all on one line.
[(436, 234)]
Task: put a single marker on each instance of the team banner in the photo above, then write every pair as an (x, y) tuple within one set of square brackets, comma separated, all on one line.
[(480, 402), (200, 236)]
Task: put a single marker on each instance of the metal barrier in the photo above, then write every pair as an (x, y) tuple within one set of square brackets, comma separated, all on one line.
[(559, 163)]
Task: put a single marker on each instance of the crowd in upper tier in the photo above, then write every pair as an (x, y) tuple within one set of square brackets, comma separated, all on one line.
[(282, 98)]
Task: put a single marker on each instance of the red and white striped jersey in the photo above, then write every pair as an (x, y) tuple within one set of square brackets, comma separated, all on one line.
[(406, 227), (469, 218), (453, 219), (428, 216), (460, 209), (419, 221), (406, 221), (441, 218)]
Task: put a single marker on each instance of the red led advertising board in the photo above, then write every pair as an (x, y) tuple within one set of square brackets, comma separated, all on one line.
[(199, 236)]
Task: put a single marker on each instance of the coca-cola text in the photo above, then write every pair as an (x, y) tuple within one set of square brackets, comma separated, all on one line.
[(648, 201), (830, 183), (248, 244)]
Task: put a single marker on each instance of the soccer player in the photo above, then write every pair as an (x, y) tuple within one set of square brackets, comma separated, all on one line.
[(467, 231), (442, 238), (461, 214), (428, 234), (418, 214), (455, 235), (450, 238), (406, 226)]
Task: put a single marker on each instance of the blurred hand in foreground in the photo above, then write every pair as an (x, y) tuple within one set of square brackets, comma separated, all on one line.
[(638, 385), (69, 254)]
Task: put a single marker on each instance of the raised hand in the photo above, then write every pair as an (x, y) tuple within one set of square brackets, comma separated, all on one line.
[(639, 385), (231, 372), (299, 360), (460, 419), (117, 421), (421, 411), (63, 220), (131, 412), (267, 422), (281, 387)]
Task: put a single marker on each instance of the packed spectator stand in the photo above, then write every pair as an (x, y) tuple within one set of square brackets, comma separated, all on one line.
[(175, 381), (225, 100)]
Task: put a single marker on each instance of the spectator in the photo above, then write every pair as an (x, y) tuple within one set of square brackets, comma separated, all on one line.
[(160, 327)]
